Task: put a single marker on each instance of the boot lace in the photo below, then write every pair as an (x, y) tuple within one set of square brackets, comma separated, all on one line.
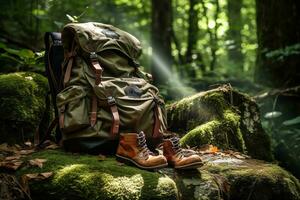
[(179, 151), (143, 145)]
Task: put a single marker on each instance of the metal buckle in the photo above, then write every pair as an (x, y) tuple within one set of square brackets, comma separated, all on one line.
[(111, 101), (57, 43), (93, 56)]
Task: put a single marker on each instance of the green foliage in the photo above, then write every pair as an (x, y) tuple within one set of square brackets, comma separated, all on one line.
[(291, 122), (283, 53), (21, 59), (28, 22)]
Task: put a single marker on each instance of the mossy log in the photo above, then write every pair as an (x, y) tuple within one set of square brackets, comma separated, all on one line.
[(223, 117), (22, 105), (87, 177)]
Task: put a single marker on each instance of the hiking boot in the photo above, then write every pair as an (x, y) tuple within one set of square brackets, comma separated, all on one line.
[(180, 158), (133, 148)]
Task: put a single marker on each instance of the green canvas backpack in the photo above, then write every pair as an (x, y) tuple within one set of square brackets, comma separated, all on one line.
[(104, 91)]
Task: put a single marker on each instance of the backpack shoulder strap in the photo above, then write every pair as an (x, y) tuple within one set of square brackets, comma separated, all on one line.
[(54, 56)]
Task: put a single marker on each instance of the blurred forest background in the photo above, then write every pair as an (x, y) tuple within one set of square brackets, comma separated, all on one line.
[(188, 46)]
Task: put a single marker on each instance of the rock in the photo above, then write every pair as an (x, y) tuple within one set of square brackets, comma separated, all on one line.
[(22, 105), (231, 178), (223, 117), (222, 177)]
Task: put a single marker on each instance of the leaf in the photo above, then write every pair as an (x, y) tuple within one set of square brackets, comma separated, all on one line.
[(52, 146), (11, 164), (72, 19), (37, 176), (37, 162), (213, 149), (209, 149), (46, 174), (28, 143), (291, 122), (9, 158), (26, 152), (26, 53), (101, 157), (272, 115)]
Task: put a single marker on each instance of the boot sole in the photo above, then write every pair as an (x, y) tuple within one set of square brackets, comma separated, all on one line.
[(127, 160), (190, 166)]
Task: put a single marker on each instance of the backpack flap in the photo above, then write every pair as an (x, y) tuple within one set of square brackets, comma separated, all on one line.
[(98, 37)]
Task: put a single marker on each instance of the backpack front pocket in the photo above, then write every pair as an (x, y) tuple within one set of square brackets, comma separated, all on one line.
[(74, 106)]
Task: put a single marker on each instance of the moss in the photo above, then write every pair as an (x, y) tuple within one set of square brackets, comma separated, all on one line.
[(224, 133), (223, 117), (257, 180), (202, 107), (22, 103), (85, 177)]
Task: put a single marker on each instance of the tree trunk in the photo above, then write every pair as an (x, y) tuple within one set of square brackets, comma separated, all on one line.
[(213, 36), (234, 33), (161, 40), (278, 28), (214, 41), (192, 31)]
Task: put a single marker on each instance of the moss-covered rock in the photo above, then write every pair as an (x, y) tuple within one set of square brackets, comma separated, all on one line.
[(236, 179), (223, 117), (22, 105), (222, 177), (86, 177)]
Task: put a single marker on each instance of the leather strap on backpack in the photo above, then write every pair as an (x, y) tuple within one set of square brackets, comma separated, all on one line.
[(110, 100), (69, 58), (115, 116), (98, 73)]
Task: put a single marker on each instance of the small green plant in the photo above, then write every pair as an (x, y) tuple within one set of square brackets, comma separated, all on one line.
[(22, 59)]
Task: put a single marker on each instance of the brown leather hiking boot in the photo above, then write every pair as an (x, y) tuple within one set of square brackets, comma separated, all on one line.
[(180, 158), (132, 147)]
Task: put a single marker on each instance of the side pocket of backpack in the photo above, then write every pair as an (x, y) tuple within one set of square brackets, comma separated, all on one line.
[(75, 104)]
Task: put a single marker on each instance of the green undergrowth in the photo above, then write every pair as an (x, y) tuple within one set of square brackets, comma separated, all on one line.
[(87, 177)]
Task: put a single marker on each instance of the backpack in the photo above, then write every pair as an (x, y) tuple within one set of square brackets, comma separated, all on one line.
[(103, 91)]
